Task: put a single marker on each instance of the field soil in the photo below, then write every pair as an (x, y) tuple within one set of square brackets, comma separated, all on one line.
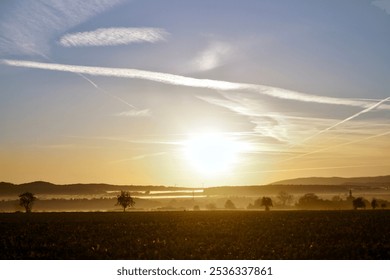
[(286, 235)]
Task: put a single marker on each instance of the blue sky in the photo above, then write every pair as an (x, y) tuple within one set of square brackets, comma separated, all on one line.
[(118, 91)]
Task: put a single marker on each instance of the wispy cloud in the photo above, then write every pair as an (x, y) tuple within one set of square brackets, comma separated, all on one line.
[(266, 124), (29, 26), (191, 82), (113, 37), (212, 57), (135, 113), (139, 157), (382, 4), (284, 128), (127, 140)]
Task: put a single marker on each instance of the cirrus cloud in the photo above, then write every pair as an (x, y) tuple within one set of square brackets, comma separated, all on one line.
[(383, 5), (212, 56), (28, 27), (113, 37), (135, 113)]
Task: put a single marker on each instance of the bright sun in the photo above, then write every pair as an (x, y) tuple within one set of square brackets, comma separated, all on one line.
[(212, 153)]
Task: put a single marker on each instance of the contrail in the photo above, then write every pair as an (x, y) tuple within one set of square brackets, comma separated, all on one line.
[(349, 118), (90, 81), (337, 146), (138, 157), (188, 81), (106, 92), (313, 168)]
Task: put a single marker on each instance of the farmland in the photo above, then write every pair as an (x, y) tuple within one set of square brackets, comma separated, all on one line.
[(362, 234)]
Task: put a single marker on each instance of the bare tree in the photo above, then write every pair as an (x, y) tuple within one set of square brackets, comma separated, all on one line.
[(125, 200), (26, 200)]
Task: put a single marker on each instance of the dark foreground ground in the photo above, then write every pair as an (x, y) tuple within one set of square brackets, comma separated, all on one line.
[(197, 235)]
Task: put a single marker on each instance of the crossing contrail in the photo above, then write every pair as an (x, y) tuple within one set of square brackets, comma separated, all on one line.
[(313, 168), (372, 107), (337, 146), (89, 81), (105, 91)]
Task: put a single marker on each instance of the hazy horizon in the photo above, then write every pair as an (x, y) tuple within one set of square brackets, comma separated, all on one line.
[(193, 93), (300, 181)]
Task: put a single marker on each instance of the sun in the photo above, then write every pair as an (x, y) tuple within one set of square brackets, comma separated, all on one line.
[(212, 153)]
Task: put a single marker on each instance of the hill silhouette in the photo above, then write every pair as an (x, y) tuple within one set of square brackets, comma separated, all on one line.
[(360, 181), (41, 187), (298, 185)]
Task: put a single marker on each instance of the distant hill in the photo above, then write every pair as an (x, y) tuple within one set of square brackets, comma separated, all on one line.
[(377, 181), (317, 185), (46, 188), (265, 190)]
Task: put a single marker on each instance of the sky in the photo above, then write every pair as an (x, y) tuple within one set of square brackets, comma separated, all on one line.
[(193, 93)]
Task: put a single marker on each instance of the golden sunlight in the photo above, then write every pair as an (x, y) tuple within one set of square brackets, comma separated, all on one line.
[(212, 153)]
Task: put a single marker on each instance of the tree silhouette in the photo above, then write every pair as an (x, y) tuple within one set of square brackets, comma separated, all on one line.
[(257, 204), (125, 200), (359, 203), (211, 206), (285, 198), (229, 205), (309, 200), (26, 200), (266, 202), (374, 203)]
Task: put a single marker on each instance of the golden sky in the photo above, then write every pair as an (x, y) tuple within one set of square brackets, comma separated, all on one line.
[(192, 93)]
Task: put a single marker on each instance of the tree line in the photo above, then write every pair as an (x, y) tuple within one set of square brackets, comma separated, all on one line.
[(27, 199), (284, 199)]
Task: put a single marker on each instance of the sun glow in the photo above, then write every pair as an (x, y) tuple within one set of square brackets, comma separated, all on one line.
[(212, 153)]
